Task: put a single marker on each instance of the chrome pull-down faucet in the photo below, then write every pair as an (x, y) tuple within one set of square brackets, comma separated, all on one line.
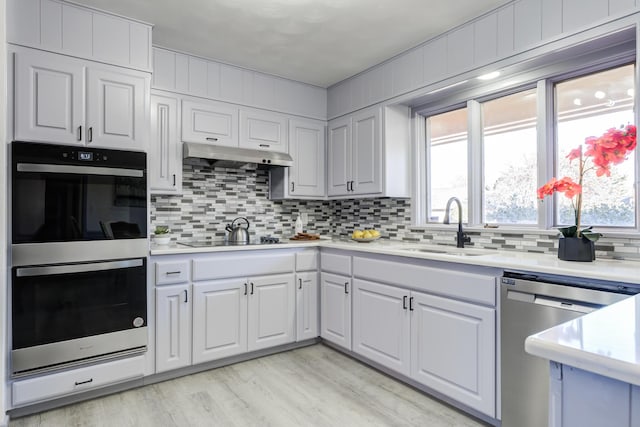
[(461, 238)]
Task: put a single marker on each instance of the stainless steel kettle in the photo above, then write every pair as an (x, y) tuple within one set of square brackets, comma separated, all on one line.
[(238, 233)]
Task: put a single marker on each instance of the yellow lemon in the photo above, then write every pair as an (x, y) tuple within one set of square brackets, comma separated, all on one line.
[(375, 233), (357, 234), (367, 235)]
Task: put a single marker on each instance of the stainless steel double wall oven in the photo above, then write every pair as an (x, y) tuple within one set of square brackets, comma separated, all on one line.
[(78, 255)]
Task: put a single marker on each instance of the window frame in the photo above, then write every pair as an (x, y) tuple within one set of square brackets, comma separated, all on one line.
[(544, 83)]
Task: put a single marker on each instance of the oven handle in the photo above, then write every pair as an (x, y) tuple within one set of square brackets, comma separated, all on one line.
[(80, 170), (77, 268)]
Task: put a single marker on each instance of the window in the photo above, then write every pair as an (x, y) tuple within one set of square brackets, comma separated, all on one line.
[(448, 153), (587, 106), (495, 153), (510, 166)]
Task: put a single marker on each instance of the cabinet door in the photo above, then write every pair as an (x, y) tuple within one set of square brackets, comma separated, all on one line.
[(116, 108), (49, 98), (263, 130), (210, 122), (165, 149), (453, 349), (271, 311), (335, 304), (173, 327), (381, 324), (339, 158), (307, 306), (367, 152), (307, 147), (219, 319)]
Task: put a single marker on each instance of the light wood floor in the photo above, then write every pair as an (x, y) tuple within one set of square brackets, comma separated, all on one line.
[(312, 386)]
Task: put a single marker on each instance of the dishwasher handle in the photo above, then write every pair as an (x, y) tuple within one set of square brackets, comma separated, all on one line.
[(565, 305), (561, 304)]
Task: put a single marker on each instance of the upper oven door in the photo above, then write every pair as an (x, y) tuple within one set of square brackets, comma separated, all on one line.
[(66, 194)]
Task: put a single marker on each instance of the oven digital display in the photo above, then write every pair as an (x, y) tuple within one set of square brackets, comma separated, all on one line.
[(82, 155)]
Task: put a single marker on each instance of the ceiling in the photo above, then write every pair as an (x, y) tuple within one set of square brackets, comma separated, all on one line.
[(320, 42)]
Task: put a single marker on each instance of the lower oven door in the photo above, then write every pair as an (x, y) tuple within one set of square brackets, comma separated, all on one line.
[(72, 313)]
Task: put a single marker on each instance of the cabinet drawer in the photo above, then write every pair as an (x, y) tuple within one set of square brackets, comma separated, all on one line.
[(452, 283), (335, 263), (168, 273), (307, 260), (241, 265), (76, 381)]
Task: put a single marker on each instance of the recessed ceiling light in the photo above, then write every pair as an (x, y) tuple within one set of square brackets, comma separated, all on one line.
[(577, 102), (631, 92), (600, 94), (489, 76)]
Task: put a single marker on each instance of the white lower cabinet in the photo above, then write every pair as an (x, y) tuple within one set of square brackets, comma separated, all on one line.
[(173, 326), (453, 349), (79, 380), (272, 311), (306, 306), (335, 303), (219, 319), (381, 324), (238, 315)]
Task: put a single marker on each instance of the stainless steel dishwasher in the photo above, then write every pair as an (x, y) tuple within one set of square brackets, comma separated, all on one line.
[(531, 303)]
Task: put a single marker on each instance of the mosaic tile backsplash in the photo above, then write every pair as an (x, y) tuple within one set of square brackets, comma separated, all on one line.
[(213, 197)]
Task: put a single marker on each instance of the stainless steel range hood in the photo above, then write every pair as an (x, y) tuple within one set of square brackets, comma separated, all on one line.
[(231, 157)]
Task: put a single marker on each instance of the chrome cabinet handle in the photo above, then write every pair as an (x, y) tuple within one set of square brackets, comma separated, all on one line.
[(90, 380), (174, 179), (80, 133), (293, 186), (169, 273), (411, 304), (300, 286), (251, 288), (346, 288), (186, 296), (245, 288), (90, 138), (210, 138), (265, 145), (404, 302)]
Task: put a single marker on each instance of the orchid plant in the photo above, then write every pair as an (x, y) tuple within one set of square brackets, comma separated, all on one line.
[(612, 148)]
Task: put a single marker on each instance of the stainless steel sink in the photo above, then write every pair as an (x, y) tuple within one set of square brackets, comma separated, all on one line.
[(452, 251)]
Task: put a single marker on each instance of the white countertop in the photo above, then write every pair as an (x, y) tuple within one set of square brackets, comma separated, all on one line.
[(605, 342), (601, 269)]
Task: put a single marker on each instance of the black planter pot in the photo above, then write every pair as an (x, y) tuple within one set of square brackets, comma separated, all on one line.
[(576, 249)]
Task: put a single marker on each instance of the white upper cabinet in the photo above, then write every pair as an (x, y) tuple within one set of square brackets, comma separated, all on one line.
[(263, 130), (339, 157), (117, 102), (366, 177), (307, 147), (364, 162), (63, 27), (306, 178), (210, 122), (49, 98), (460, 47), (485, 39), (68, 101), (165, 147)]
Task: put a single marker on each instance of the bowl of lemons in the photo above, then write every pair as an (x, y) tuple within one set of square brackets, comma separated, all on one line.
[(365, 235)]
